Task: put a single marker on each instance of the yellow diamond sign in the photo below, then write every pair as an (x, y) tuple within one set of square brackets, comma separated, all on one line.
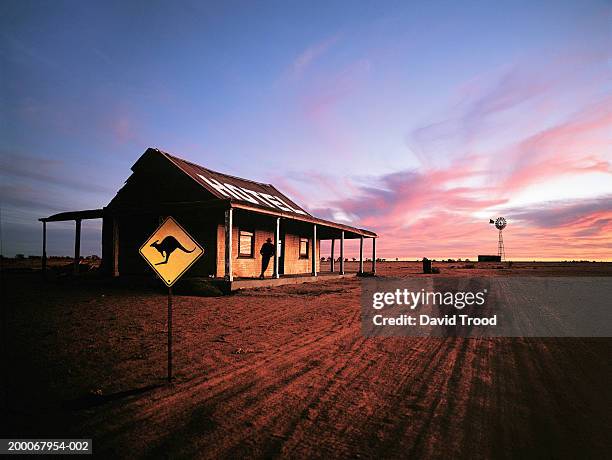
[(170, 251)]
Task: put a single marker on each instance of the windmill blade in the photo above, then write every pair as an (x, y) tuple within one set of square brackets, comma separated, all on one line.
[(491, 221)]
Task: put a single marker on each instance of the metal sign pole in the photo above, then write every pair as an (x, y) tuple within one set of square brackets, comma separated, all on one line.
[(169, 334)]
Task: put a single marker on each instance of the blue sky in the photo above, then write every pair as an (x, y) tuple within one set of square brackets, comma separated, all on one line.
[(393, 115)]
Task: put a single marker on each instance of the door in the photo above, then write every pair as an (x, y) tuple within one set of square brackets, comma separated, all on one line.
[(280, 248)]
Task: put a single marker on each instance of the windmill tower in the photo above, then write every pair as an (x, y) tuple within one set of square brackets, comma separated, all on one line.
[(500, 224)]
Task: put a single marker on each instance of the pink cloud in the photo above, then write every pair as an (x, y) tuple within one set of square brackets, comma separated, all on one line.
[(524, 96), (424, 213), (568, 148)]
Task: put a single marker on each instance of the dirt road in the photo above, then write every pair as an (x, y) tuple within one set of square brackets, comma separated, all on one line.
[(285, 372)]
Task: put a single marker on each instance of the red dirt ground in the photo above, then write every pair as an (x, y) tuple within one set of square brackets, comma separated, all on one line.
[(285, 372)]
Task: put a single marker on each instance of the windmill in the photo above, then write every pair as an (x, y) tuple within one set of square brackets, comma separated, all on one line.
[(500, 224)]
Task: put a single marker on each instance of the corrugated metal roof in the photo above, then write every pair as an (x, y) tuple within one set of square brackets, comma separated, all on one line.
[(251, 195), (238, 190)]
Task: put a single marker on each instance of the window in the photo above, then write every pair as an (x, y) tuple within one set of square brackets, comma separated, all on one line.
[(303, 248), (246, 243)]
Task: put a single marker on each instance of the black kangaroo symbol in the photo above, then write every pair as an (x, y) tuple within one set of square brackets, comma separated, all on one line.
[(168, 245)]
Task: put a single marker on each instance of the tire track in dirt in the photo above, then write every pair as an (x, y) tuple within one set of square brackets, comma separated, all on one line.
[(359, 415), (425, 401), (285, 424)]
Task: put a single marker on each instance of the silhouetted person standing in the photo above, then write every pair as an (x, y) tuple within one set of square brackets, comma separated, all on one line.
[(267, 251)]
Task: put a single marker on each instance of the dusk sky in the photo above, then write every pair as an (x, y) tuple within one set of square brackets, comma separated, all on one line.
[(418, 120)]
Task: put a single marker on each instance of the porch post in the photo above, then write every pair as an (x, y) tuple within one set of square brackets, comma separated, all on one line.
[(44, 249), (314, 250), (331, 262), (77, 245), (229, 275), (374, 255), (276, 244), (342, 252), (361, 254), (115, 262)]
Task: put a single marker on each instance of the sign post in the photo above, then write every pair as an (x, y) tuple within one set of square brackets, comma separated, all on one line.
[(170, 251), (169, 334)]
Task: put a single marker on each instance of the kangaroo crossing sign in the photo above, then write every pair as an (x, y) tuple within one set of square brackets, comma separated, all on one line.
[(170, 251)]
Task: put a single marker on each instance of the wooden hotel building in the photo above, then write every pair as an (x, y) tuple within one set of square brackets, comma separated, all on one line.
[(230, 217)]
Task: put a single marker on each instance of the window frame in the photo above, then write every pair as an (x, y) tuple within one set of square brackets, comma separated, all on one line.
[(251, 254), (307, 255)]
